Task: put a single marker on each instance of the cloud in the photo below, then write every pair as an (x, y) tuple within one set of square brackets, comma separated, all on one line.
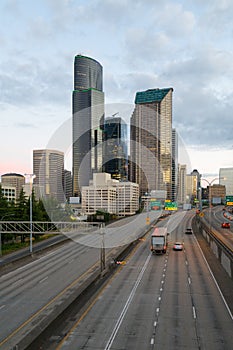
[(146, 44), (25, 125), (34, 82)]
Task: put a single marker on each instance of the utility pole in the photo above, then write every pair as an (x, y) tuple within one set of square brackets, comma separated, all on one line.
[(31, 177), (102, 248)]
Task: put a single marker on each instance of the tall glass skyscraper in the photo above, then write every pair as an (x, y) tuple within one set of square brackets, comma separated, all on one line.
[(48, 166), (88, 114), (115, 150), (151, 141)]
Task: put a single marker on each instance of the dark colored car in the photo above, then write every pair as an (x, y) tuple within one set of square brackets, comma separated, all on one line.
[(226, 225), (188, 231)]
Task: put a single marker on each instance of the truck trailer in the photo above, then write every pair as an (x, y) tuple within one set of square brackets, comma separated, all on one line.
[(159, 240)]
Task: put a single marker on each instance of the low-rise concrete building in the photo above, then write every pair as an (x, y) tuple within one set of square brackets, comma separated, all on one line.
[(112, 196)]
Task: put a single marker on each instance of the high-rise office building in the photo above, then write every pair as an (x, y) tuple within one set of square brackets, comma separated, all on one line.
[(48, 166), (115, 154), (68, 184), (182, 193), (88, 114), (192, 182), (15, 180), (226, 179), (174, 165), (151, 141)]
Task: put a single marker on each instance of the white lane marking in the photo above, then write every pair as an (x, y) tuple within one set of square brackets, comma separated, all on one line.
[(162, 282), (216, 283), (2, 306), (161, 289), (186, 262), (44, 279), (157, 310), (189, 280), (194, 313), (155, 324), (152, 341), (159, 298), (125, 308)]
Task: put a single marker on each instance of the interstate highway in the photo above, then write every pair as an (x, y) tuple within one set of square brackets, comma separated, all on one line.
[(27, 291), (165, 302)]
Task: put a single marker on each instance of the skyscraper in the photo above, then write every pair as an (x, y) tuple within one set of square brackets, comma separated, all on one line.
[(174, 165), (88, 114), (48, 166), (151, 141), (182, 172), (226, 179), (115, 154)]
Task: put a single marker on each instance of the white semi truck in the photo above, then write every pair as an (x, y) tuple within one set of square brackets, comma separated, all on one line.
[(159, 240)]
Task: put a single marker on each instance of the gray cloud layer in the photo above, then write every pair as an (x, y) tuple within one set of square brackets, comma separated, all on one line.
[(142, 44)]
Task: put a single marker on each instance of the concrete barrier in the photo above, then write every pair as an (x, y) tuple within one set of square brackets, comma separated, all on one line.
[(223, 253)]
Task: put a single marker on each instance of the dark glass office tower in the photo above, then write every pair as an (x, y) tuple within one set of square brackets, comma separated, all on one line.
[(115, 150), (88, 111)]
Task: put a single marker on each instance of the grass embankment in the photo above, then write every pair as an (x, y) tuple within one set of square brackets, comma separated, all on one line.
[(11, 247)]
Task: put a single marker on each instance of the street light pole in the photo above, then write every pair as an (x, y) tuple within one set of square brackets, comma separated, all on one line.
[(31, 177), (102, 248)]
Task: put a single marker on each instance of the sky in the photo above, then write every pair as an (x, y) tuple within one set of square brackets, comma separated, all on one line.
[(141, 44)]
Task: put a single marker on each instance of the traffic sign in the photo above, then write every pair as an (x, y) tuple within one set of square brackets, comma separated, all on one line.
[(155, 205), (170, 206), (229, 200)]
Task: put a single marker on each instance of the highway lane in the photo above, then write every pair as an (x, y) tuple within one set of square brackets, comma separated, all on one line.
[(157, 302), (27, 290), (217, 218)]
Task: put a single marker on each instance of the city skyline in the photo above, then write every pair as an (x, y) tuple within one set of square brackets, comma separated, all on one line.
[(37, 72)]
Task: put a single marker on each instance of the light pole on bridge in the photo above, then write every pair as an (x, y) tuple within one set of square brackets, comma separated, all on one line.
[(31, 177)]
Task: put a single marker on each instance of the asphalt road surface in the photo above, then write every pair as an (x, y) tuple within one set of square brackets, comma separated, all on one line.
[(26, 291), (166, 301)]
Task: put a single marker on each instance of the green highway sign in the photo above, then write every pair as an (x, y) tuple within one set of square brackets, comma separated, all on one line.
[(170, 206), (229, 200), (155, 205)]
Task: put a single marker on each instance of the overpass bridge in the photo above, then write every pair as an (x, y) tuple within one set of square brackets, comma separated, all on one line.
[(68, 229)]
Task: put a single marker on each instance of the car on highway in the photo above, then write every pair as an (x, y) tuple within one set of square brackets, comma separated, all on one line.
[(226, 225), (178, 246), (188, 231)]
